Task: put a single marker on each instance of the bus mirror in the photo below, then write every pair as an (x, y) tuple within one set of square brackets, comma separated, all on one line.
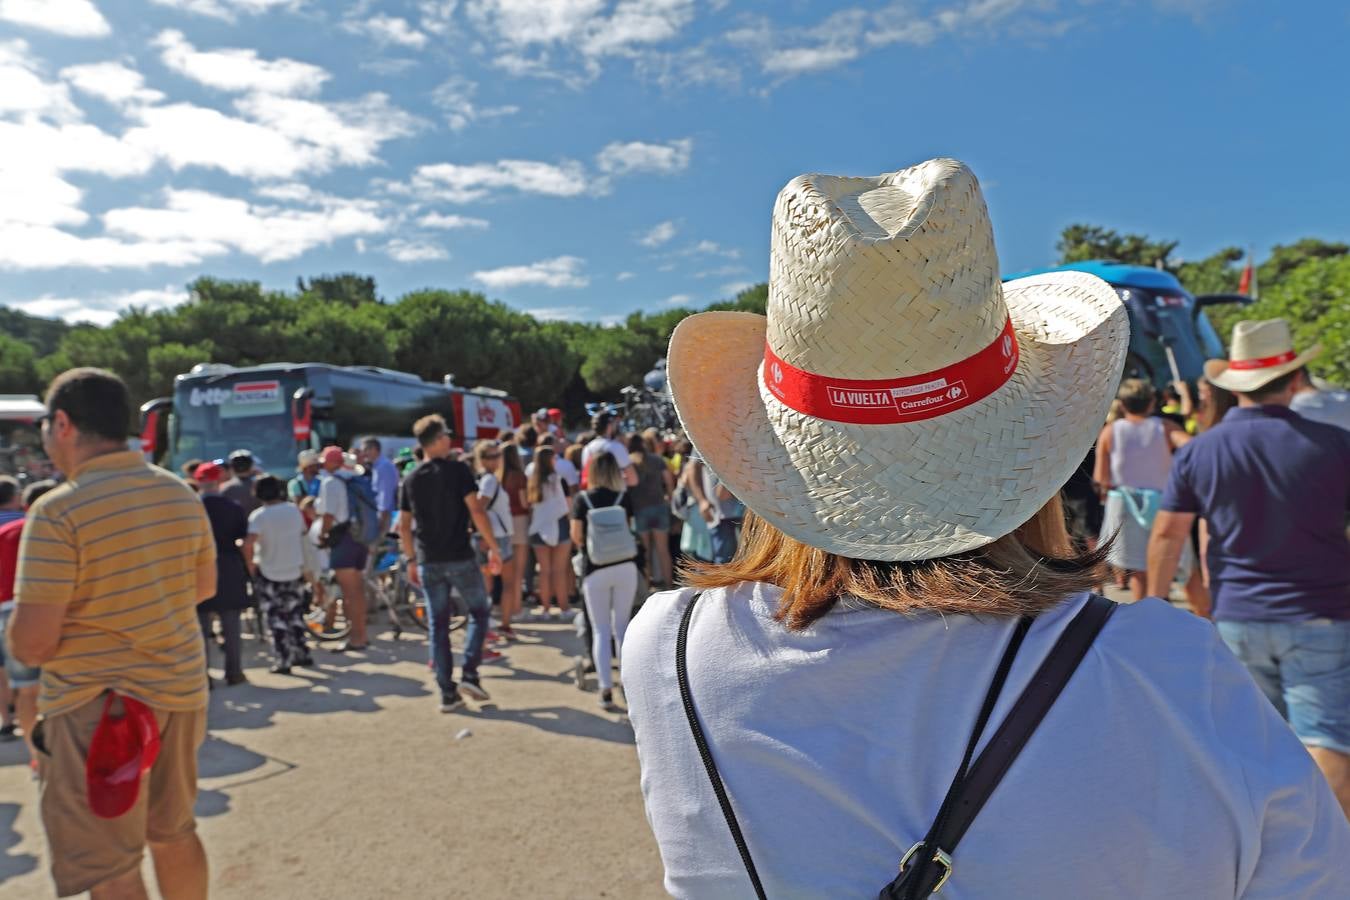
[(152, 418)]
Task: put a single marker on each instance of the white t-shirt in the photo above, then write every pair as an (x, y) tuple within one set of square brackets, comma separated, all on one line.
[(499, 510), (332, 500), (606, 445), (568, 471), (1161, 770), (280, 547)]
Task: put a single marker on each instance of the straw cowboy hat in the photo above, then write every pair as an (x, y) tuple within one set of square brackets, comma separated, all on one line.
[(898, 402), (1261, 352)]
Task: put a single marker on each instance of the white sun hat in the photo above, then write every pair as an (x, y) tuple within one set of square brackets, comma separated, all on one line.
[(898, 402), (1261, 352)]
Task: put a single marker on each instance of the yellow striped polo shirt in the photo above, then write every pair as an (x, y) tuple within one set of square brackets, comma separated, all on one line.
[(121, 546)]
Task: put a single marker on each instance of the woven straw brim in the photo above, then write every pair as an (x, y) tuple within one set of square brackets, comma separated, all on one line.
[(919, 490), (1218, 371)]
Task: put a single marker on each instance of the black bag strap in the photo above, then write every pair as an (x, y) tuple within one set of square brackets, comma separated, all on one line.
[(972, 785), (718, 788)]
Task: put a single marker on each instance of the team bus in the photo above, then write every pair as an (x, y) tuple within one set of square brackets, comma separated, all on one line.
[(276, 410), (21, 451), (1170, 335)]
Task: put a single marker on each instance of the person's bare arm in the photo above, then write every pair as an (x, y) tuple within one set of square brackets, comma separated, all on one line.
[(1183, 390), (34, 632), (1176, 435), (668, 481), (405, 538), (478, 512), (695, 484), (250, 545), (1101, 467), (1171, 531), (578, 535), (630, 475)]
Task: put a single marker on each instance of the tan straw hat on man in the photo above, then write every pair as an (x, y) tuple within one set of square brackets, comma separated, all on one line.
[(1261, 352), (898, 402)]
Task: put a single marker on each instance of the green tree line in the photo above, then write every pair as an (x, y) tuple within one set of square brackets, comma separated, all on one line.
[(342, 320)]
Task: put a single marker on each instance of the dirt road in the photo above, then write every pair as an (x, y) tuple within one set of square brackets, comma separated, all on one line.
[(347, 782)]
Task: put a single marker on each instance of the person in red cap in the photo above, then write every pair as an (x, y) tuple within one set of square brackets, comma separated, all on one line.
[(347, 555), (112, 564), (229, 525)]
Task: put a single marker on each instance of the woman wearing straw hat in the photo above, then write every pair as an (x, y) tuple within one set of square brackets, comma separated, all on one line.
[(905, 595)]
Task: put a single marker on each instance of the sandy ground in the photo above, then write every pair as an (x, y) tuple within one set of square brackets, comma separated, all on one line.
[(347, 782)]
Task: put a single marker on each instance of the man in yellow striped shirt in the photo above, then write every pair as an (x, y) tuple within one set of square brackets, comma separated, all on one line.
[(111, 567)]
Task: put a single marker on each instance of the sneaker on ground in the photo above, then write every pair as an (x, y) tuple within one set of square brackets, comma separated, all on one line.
[(490, 655), (607, 699), (474, 690), (451, 702)]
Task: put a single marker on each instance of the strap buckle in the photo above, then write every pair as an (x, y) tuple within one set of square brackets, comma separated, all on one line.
[(940, 857)]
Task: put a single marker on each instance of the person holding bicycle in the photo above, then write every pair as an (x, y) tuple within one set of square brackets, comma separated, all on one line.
[(441, 497)]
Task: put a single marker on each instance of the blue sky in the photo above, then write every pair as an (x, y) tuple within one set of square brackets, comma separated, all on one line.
[(586, 158)]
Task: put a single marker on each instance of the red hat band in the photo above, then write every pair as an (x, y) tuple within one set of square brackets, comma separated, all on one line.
[(894, 401)]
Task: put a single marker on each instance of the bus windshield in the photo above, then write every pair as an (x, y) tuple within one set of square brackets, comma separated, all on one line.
[(216, 416), (21, 449)]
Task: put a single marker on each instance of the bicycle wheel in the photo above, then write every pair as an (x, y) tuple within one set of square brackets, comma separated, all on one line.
[(407, 604)]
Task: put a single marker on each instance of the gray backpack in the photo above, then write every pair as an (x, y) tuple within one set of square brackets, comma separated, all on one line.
[(609, 540)]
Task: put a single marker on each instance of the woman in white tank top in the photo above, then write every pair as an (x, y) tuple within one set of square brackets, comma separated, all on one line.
[(1134, 455)]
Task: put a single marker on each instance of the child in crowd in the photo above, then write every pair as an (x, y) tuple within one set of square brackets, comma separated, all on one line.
[(275, 554)]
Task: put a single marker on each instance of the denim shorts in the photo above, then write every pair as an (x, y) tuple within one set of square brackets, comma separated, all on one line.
[(563, 534), (652, 518), (348, 554), (20, 676), (1304, 668)]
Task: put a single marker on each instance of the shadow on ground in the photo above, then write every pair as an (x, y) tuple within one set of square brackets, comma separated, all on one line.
[(12, 865)]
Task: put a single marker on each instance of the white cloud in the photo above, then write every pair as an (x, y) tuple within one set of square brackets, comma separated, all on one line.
[(624, 276), (387, 30), (101, 309), (455, 97), (801, 60), (678, 300), (32, 247), (438, 16), (637, 22), (437, 220), (522, 22), (347, 133), (559, 272), (406, 251), (731, 289), (710, 248), (228, 10), (635, 156), (25, 91), (268, 233), (462, 184), (33, 157), (238, 70), (660, 234), (72, 18), (722, 272), (113, 82)]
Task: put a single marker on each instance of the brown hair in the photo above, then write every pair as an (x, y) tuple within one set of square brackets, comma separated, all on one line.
[(511, 462), (1210, 412), (480, 450), (428, 429), (605, 473), (540, 474), (1272, 389), (1023, 573), (1136, 395), (573, 455), (95, 400)]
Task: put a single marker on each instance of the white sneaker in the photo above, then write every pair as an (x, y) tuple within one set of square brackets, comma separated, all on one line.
[(475, 691)]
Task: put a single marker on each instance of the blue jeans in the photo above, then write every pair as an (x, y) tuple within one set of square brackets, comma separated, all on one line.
[(724, 538), (1304, 668), (437, 581)]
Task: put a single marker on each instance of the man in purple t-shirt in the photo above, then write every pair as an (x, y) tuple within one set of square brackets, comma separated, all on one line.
[(1274, 489)]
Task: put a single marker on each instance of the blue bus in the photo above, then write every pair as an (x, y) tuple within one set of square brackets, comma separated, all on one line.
[(1170, 335)]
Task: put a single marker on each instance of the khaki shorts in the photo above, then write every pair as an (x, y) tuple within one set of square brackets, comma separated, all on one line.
[(87, 850)]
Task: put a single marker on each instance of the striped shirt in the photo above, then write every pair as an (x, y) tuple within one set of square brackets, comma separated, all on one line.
[(122, 546)]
